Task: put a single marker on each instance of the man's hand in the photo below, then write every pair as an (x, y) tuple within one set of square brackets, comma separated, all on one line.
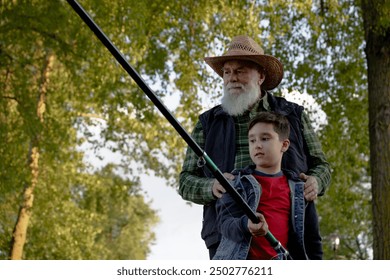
[(259, 229), (218, 190), (311, 186)]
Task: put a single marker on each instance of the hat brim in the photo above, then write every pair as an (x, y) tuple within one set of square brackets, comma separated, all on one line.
[(273, 68)]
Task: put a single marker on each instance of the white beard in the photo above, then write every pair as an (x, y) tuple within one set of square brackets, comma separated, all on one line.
[(237, 104)]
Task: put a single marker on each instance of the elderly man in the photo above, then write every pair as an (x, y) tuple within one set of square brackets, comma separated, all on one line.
[(248, 76)]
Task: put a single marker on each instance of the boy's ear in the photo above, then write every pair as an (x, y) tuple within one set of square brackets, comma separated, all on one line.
[(286, 145)]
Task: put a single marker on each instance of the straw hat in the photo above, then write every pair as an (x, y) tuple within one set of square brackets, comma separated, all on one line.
[(245, 48)]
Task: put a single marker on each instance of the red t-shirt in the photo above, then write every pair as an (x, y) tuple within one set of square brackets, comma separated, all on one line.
[(275, 205)]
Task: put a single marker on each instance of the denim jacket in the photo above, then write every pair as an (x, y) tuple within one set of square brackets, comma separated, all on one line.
[(232, 223)]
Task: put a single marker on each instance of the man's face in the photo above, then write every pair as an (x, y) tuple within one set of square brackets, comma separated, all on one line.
[(241, 85), (240, 76)]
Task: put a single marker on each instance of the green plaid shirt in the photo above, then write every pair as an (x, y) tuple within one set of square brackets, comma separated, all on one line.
[(198, 189)]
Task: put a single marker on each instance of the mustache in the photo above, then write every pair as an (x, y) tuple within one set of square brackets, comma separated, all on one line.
[(234, 85)]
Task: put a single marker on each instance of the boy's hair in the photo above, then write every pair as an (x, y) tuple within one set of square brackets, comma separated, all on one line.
[(280, 123)]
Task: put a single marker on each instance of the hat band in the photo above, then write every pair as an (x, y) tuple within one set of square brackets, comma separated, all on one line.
[(238, 46)]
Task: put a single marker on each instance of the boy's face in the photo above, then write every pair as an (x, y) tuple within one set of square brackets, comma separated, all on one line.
[(265, 148)]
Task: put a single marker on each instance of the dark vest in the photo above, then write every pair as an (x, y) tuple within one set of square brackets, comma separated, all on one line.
[(220, 142), (295, 158)]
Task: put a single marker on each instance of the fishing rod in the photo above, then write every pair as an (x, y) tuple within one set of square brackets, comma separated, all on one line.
[(175, 123)]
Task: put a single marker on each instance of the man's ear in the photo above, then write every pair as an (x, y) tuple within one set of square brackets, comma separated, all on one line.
[(286, 145), (261, 78)]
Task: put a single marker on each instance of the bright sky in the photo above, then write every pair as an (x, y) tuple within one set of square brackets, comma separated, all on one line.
[(178, 233)]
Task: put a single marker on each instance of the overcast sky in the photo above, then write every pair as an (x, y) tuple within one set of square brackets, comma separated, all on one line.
[(178, 233)]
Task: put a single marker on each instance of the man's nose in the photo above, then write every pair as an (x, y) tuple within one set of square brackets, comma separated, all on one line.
[(233, 76)]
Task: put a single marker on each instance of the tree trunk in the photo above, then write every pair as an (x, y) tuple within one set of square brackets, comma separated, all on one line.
[(20, 231), (376, 16)]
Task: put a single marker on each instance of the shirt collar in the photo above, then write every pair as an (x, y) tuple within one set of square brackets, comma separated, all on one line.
[(265, 101), (260, 173), (262, 105)]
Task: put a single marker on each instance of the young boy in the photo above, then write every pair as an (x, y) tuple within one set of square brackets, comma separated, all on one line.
[(275, 195)]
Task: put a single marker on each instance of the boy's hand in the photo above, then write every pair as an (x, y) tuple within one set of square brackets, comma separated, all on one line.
[(218, 190), (259, 229)]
